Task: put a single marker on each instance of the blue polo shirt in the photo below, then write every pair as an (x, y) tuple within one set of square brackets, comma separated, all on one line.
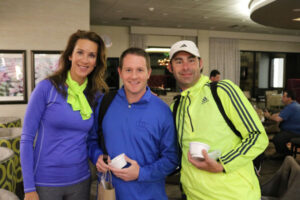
[(291, 118)]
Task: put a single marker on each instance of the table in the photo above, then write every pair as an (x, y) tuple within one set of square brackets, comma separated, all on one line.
[(7, 195)]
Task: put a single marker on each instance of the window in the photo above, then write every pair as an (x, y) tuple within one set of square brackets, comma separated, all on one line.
[(277, 67), (261, 71)]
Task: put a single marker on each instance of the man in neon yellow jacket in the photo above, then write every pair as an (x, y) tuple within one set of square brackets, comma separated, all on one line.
[(232, 175)]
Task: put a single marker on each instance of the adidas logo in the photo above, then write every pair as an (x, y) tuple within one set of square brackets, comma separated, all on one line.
[(184, 45), (204, 100)]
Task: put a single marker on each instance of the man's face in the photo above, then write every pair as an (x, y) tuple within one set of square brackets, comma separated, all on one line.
[(285, 99), (215, 78), (134, 74), (186, 69)]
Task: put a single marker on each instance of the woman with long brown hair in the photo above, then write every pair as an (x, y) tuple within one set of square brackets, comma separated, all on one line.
[(57, 121)]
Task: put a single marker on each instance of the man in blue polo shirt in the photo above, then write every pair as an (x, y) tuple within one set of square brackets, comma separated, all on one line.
[(289, 119)]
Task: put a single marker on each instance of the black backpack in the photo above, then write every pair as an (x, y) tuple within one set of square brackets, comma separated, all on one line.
[(257, 162), (104, 105)]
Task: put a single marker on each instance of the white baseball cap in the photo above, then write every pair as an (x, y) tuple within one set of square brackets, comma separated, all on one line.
[(184, 45)]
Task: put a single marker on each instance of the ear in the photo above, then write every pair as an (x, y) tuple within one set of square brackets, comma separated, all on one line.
[(200, 64), (149, 73), (169, 67), (119, 71)]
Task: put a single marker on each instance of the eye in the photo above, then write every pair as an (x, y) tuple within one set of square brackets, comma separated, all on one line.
[(79, 52), (92, 55), (140, 69), (192, 60), (178, 62)]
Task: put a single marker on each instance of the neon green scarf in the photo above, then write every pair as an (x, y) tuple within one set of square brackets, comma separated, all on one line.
[(77, 99)]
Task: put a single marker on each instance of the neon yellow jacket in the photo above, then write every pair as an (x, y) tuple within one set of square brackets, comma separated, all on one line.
[(198, 119)]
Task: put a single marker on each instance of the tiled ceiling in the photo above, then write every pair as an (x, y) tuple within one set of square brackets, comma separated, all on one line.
[(220, 15)]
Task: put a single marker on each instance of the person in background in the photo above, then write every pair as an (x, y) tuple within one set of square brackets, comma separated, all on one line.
[(231, 176), (289, 119), (215, 76), (140, 125), (59, 115)]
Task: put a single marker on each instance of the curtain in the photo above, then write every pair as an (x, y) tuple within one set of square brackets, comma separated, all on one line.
[(224, 55), (137, 40)]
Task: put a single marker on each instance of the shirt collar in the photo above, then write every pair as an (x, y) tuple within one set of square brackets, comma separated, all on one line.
[(145, 98)]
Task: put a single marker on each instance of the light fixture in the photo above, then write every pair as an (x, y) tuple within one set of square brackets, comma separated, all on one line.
[(296, 19), (163, 62), (152, 49)]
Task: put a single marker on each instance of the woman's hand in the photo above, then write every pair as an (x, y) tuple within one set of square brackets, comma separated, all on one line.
[(102, 163), (31, 196)]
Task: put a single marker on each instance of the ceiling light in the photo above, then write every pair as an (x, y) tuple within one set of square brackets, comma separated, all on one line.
[(296, 19), (157, 49), (255, 4), (151, 9), (296, 10)]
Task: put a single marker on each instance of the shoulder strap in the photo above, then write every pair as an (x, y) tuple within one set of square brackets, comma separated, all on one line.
[(175, 107), (213, 87), (106, 101)]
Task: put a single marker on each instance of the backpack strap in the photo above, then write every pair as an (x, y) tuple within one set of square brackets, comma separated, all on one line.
[(105, 103), (175, 108), (213, 88)]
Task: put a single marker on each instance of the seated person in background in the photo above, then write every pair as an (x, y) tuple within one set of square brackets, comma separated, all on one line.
[(289, 119), (215, 76)]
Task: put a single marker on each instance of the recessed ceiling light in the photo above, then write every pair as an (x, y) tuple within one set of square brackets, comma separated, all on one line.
[(296, 10), (151, 9), (297, 19)]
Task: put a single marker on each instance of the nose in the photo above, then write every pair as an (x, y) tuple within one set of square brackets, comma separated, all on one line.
[(134, 74), (185, 65), (85, 58)]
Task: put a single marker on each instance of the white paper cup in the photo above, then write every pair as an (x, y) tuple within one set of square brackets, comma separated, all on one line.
[(119, 161), (196, 149)]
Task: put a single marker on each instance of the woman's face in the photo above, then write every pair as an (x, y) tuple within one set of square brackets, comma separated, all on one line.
[(83, 59)]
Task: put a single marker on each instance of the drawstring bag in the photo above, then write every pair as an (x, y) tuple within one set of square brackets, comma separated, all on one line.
[(106, 190)]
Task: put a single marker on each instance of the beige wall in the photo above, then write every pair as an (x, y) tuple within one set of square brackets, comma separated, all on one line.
[(38, 25), (119, 36)]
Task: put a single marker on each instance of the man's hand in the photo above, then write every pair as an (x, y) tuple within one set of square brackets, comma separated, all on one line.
[(31, 196), (127, 174), (267, 114), (208, 164), (101, 165)]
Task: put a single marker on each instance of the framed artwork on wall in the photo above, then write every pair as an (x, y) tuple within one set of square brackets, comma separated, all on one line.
[(13, 77), (44, 63)]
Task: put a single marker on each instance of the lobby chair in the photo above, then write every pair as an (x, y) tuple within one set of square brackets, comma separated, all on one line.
[(295, 144), (285, 183)]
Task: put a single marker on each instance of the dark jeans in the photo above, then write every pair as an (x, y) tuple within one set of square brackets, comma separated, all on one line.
[(281, 139), (78, 191)]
